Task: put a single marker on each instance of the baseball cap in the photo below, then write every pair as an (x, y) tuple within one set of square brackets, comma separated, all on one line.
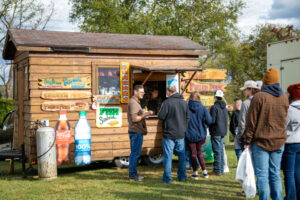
[(219, 93), (250, 84)]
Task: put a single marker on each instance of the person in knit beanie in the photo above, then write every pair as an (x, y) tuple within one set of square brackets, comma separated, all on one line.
[(291, 154), (265, 132)]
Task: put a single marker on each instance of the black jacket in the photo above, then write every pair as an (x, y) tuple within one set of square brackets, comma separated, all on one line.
[(175, 115), (234, 122), (219, 115)]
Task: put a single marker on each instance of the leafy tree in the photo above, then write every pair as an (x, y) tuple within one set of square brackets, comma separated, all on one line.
[(247, 60), (209, 22), (27, 14)]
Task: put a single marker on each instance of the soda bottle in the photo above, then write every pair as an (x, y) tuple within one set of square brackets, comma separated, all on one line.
[(82, 140), (63, 139)]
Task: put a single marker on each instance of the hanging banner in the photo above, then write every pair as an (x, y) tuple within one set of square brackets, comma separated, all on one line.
[(109, 117), (207, 74), (106, 99), (205, 100), (196, 86), (124, 82), (173, 79), (65, 94), (65, 83), (65, 105)]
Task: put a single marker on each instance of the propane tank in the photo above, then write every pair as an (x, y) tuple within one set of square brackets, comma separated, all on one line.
[(46, 153)]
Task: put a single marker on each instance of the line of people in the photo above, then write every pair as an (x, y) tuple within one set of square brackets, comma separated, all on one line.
[(260, 125)]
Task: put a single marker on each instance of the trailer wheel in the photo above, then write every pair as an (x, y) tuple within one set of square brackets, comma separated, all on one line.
[(156, 159), (122, 162)]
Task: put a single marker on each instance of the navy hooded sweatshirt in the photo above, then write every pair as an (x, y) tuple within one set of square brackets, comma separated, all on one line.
[(219, 115), (199, 120)]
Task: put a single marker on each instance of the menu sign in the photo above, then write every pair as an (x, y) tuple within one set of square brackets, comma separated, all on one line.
[(107, 99), (124, 82), (65, 83), (109, 117)]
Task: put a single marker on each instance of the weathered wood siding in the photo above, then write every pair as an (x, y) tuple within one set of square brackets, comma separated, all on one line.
[(107, 143)]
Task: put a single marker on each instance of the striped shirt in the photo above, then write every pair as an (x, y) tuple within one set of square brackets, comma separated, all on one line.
[(265, 122)]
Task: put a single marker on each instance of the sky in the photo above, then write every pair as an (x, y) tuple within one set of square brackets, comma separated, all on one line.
[(256, 12)]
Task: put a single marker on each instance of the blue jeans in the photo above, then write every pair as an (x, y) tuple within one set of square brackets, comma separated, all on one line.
[(291, 170), (136, 143), (267, 170), (238, 153), (168, 148), (217, 143)]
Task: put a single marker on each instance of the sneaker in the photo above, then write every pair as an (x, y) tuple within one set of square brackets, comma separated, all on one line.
[(136, 178), (205, 175), (194, 176)]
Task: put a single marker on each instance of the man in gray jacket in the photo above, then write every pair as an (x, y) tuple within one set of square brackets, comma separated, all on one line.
[(250, 89)]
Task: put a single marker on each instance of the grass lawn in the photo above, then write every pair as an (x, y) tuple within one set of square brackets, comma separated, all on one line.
[(103, 181)]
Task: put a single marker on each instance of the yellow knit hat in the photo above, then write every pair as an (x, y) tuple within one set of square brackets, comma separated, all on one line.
[(271, 76)]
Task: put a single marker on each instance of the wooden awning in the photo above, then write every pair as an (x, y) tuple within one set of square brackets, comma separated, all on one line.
[(166, 68)]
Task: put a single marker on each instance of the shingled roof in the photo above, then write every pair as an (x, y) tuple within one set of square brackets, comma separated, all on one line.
[(56, 39)]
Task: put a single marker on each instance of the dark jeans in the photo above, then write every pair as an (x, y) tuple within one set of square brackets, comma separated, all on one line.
[(291, 170), (196, 153), (136, 143), (217, 143), (169, 146), (238, 153)]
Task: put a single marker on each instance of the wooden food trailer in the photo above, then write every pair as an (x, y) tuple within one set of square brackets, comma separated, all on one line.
[(94, 72)]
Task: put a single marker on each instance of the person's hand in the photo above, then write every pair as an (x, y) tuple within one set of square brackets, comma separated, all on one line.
[(246, 146), (150, 112)]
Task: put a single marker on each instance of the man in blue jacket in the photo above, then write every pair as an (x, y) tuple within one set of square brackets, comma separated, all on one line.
[(218, 130), (175, 115)]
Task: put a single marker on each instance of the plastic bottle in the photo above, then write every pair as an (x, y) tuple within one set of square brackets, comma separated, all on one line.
[(82, 140), (63, 139)]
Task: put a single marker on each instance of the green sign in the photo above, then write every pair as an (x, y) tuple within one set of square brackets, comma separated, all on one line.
[(109, 117)]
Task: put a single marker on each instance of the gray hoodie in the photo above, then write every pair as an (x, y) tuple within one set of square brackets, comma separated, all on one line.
[(293, 123)]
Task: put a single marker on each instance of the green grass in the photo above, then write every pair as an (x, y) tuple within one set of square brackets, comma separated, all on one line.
[(104, 181)]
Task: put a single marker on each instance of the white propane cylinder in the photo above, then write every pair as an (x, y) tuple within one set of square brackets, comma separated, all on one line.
[(46, 153)]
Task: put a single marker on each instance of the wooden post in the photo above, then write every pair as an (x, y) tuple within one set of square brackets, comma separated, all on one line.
[(147, 78), (11, 166), (189, 82)]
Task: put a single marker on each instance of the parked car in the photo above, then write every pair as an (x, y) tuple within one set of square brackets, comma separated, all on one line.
[(7, 128)]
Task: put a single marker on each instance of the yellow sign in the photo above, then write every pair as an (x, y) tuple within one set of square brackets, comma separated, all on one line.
[(205, 100), (65, 94), (65, 105), (196, 86), (65, 83), (207, 74), (124, 82)]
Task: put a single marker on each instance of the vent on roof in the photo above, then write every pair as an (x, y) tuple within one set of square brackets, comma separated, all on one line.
[(71, 49)]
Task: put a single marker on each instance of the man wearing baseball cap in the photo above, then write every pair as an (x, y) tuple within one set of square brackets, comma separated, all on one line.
[(265, 132), (218, 130), (249, 90)]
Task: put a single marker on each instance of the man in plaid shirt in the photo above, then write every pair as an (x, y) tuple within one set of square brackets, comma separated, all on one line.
[(265, 132)]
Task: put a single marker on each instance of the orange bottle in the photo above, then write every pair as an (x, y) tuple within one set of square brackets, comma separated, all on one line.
[(63, 139)]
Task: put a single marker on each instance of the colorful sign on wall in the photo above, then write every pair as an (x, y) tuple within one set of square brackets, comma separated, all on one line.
[(173, 79), (65, 83), (65, 94), (65, 105), (107, 99), (205, 87), (124, 82), (207, 74), (109, 117), (205, 100)]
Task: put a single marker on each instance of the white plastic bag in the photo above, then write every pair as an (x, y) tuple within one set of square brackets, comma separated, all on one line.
[(245, 174), (226, 168)]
